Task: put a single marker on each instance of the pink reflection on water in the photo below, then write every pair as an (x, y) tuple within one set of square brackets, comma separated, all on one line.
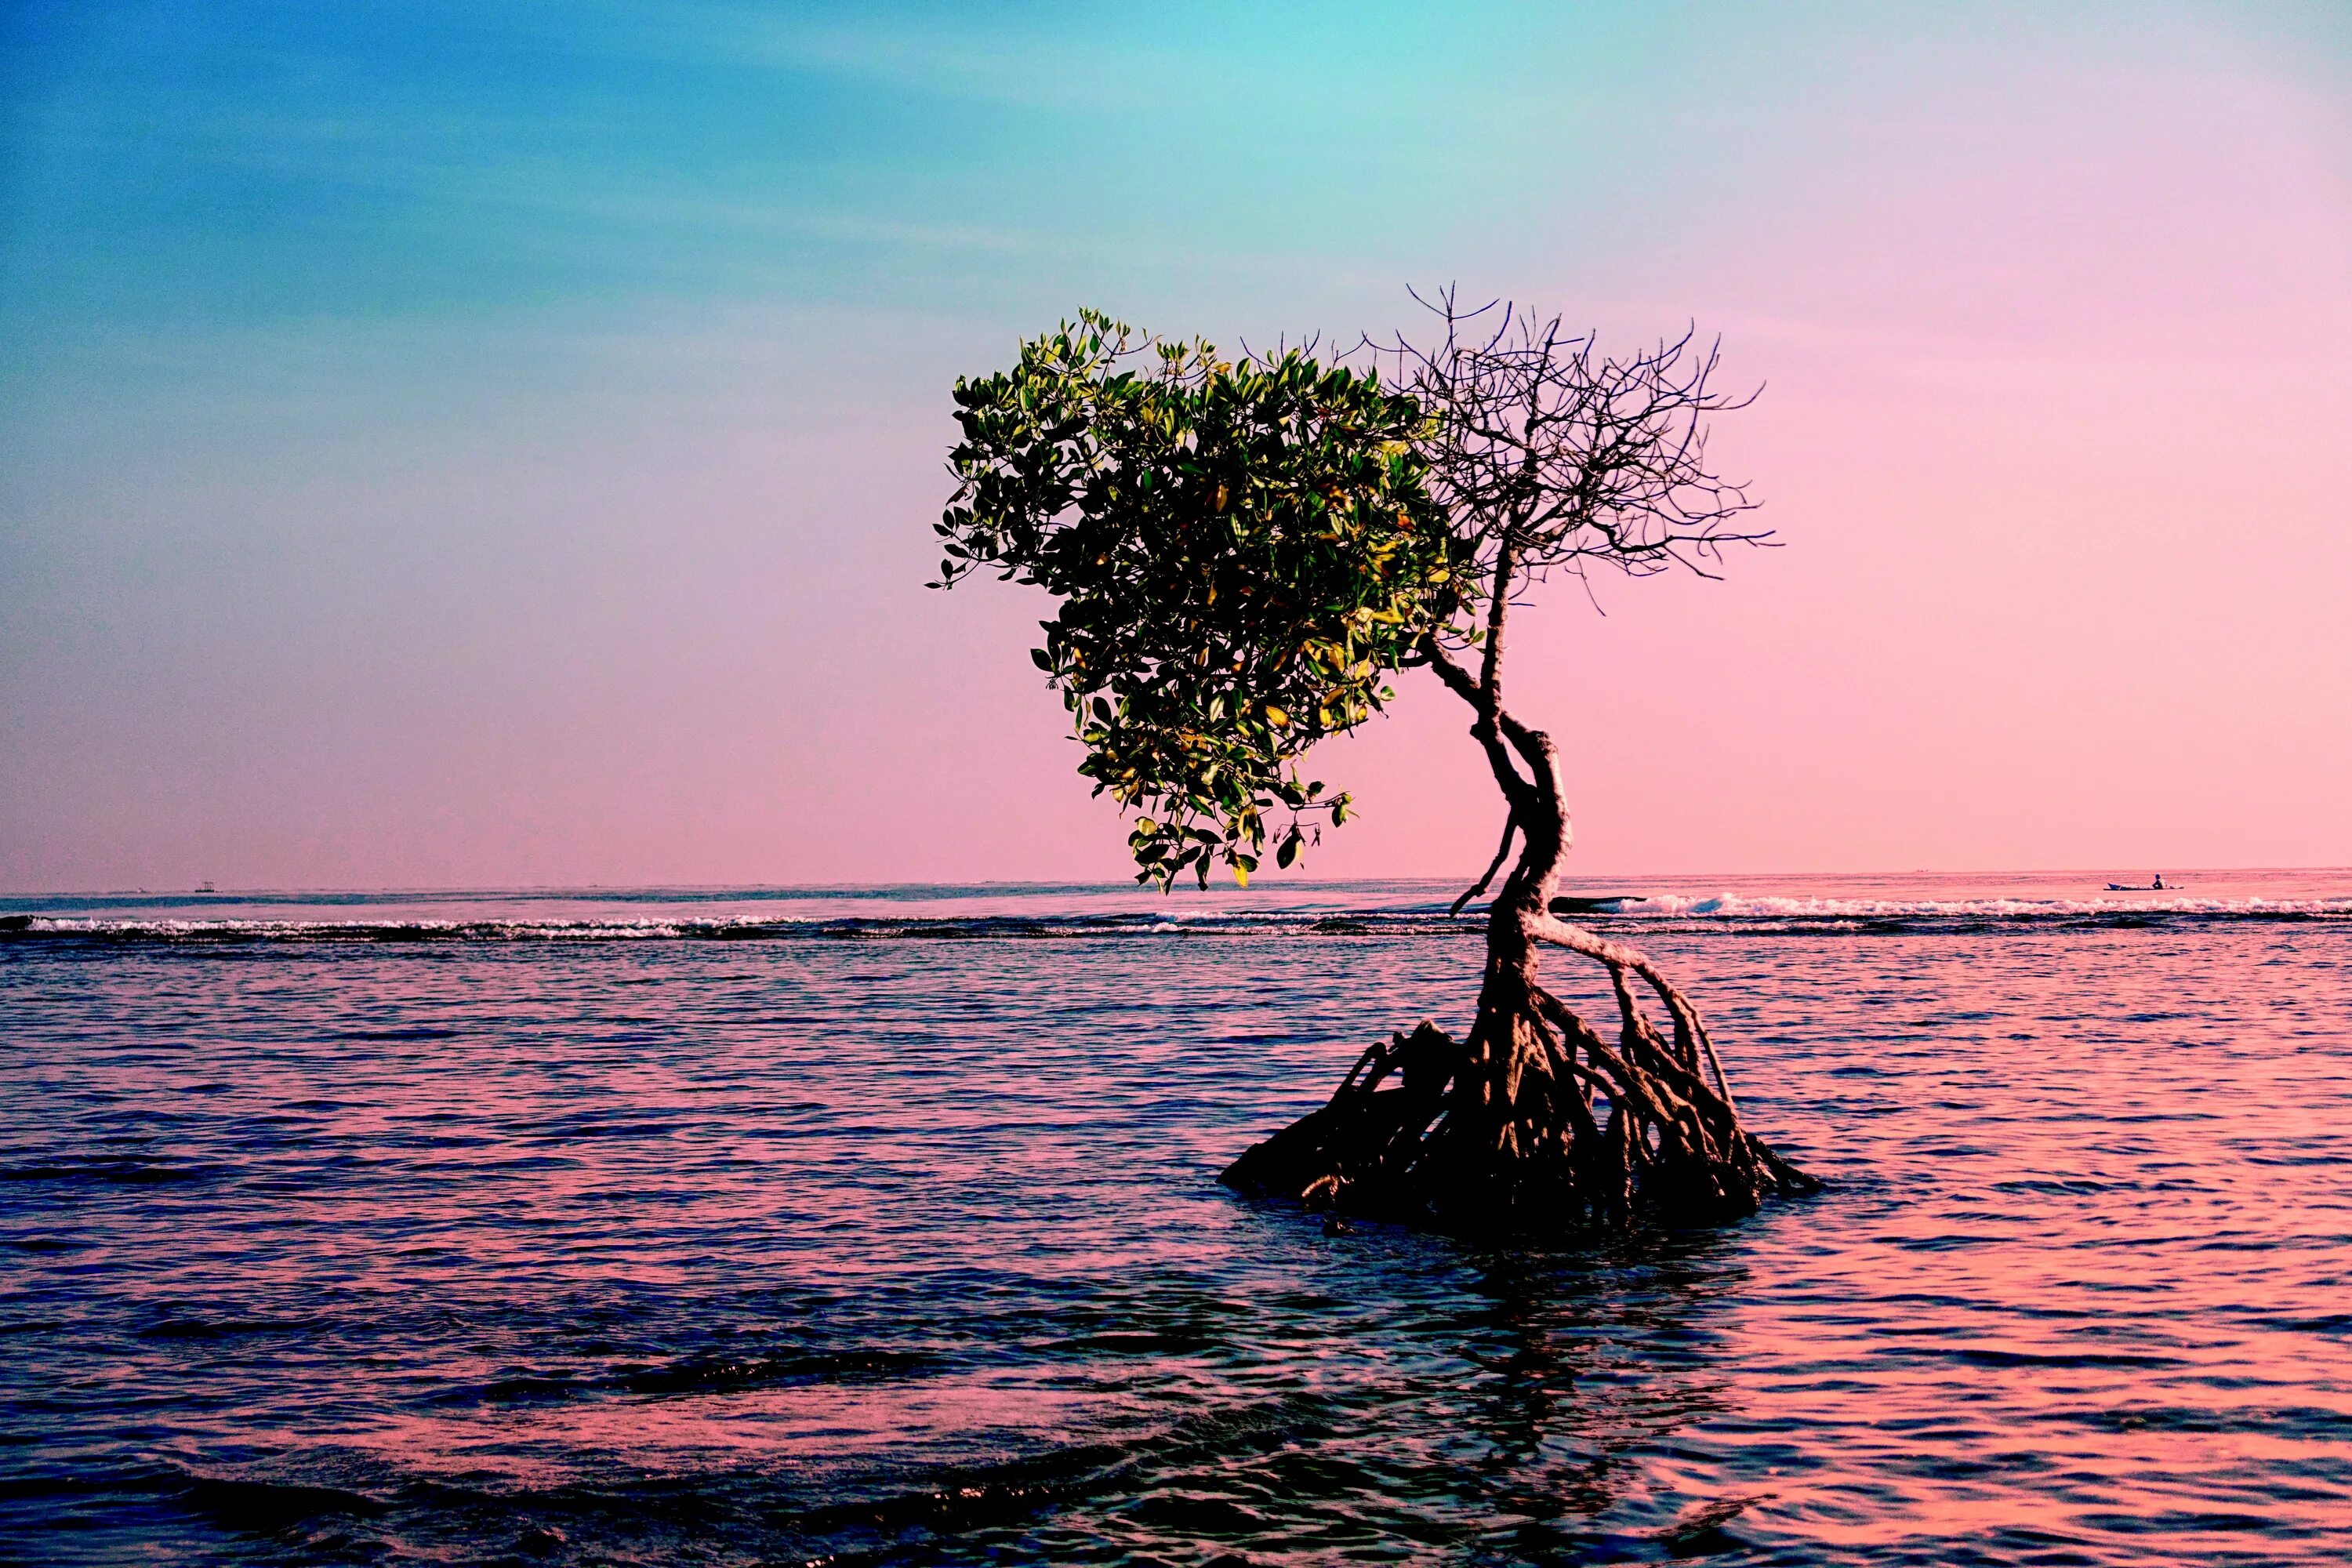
[(2080, 1278), (932, 1420)]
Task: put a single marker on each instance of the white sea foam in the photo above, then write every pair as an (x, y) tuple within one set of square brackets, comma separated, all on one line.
[(364, 930), (1373, 908), (1732, 906)]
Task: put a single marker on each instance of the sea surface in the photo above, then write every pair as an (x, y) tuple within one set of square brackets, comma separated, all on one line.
[(848, 1225)]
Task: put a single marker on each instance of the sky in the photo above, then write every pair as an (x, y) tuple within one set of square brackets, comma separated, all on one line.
[(479, 445)]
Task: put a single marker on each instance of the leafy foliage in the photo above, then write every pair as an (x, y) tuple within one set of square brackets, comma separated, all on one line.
[(1242, 551)]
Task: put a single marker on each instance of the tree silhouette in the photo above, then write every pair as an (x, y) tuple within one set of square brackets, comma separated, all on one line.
[(1244, 551)]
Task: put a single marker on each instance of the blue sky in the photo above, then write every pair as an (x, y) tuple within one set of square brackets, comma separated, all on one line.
[(171, 163), (177, 163)]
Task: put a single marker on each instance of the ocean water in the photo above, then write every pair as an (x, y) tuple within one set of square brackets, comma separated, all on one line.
[(880, 1225)]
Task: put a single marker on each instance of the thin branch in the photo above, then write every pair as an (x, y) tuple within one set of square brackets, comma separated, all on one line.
[(1490, 668), (1552, 453), (1515, 790), (1502, 853)]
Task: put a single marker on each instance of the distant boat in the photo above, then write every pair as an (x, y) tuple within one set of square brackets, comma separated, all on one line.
[(2141, 886), (206, 888)]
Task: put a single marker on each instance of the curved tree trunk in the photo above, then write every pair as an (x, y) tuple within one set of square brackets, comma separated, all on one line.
[(1534, 1119)]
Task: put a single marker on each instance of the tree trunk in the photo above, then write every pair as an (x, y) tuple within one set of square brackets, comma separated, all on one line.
[(1535, 1121)]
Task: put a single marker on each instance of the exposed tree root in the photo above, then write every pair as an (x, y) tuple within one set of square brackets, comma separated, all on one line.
[(1536, 1122)]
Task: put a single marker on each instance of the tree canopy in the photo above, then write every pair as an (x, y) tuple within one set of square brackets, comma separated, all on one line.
[(1242, 549), (1246, 548)]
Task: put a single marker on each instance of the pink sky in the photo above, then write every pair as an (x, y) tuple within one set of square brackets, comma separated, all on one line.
[(2058, 349)]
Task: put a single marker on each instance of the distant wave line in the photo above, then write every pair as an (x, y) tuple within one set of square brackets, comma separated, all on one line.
[(1721, 911)]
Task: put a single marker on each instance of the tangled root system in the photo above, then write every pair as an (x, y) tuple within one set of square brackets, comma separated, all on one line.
[(1536, 1120)]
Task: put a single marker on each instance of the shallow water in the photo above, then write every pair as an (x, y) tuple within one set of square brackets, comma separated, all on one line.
[(880, 1225)]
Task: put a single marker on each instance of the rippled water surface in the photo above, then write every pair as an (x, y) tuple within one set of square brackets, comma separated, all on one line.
[(881, 1225)]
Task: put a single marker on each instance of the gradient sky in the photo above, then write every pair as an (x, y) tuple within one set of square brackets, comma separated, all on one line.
[(466, 444)]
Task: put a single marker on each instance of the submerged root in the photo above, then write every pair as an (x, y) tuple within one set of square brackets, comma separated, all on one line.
[(1534, 1121)]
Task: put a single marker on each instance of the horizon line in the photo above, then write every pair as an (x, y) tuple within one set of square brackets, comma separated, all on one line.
[(1215, 884)]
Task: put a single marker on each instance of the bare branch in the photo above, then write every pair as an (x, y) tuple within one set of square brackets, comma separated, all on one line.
[(1490, 727), (1490, 668), (1549, 453), (1502, 853)]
